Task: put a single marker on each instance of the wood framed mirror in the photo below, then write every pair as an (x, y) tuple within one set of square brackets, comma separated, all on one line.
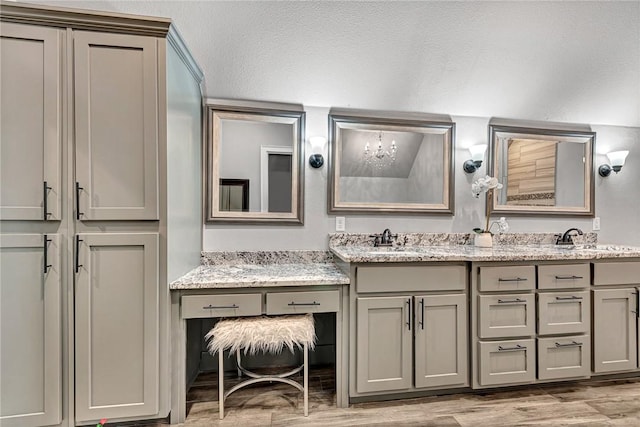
[(255, 167), (543, 171), (400, 164)]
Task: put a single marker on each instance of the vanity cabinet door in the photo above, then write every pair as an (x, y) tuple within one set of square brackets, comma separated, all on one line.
[(440, 340), (116, 119), (31, 130), (615, 339), (383, 343), (30, 331), (116, 335)]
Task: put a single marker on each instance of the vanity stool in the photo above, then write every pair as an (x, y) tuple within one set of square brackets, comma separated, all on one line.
[(262, 334)]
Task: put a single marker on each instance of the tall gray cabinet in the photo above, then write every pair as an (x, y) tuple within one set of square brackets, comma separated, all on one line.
[(91, 106)]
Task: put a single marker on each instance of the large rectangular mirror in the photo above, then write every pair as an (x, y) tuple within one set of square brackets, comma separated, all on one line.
[(543, 171), (390, 165), (255, 164)]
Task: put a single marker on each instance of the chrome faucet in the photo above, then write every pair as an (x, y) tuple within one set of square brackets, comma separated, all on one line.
[(384, 239), (567, 237)]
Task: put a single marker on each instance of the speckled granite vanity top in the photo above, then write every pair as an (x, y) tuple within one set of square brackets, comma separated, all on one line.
[(416, 247), (262, 269)]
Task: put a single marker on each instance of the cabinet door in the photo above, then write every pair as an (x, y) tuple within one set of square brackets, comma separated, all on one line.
[(30, 122), (116, 111), (383, 340), (30, 330), (615, 345), (116, 325), (440, 340)]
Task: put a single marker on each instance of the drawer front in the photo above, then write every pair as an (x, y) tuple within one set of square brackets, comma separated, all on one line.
[(221, 305), (411, 278), (616, 273), (514, 278), (564, 276), (566, 357), (506, 315), (303, 302), (563, 312), (507, 362)]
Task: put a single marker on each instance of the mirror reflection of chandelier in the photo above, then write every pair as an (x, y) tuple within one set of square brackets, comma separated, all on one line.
[(379, 157)]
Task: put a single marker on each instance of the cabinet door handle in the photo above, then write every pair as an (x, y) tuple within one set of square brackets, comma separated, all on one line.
[(571, 344), (78, 189), (45, 194), (45, 250), (219, 307), (76, 260), (516, 279), (409, 313), (571, 298), (518, 347), (510, 301), (421, 313), (568, 277), (292, 303)]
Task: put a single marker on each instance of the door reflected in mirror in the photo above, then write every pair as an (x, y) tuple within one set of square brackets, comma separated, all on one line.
[(542, 170), (389, 165), (255, 157)]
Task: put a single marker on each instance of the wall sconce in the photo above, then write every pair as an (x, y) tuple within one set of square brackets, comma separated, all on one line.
[(477, 156), (317, 146), (616, 160)]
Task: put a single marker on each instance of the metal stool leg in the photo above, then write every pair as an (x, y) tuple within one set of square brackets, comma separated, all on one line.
[(306, 381), (221, 383)]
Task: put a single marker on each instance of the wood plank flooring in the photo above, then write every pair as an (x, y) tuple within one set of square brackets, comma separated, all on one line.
[(583, 403)]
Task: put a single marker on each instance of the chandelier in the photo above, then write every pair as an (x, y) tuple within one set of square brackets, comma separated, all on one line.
[(379, 157)]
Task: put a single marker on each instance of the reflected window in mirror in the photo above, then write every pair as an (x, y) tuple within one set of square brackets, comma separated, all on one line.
[(262, 149), (390, 165), (543, 171)]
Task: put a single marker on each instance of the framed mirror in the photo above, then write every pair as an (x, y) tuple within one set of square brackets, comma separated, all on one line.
[(543, 171), (255, 164), (390, 165)]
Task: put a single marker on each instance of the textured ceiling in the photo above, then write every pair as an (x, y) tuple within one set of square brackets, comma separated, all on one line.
[(557, 61)]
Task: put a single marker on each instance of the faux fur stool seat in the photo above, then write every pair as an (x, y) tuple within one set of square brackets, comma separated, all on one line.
[(263, 334)]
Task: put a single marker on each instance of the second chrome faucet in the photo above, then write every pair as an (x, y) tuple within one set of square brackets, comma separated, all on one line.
[(384, 239)]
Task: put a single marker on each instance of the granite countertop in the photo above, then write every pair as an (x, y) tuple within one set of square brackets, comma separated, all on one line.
[(262, 269), (531, 252)]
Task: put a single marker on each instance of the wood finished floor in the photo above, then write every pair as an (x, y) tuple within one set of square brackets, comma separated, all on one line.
[(584, 403)]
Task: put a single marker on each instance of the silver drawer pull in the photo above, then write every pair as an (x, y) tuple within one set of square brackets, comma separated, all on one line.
[(219, 307), (303, 303), (510, 301), (517, 279), (568, 277), (571, 344), (518, 347), (571, 298)]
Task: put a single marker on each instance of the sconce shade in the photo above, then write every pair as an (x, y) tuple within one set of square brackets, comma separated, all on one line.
[(616, 160), (477, 156)]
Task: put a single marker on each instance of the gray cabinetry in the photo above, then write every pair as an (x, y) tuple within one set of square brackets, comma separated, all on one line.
[(410, 328), (440, 340), (615, 336), (30, 122), (116, 126), (30, 330), (117, 322), (506, 362), (384, 343)]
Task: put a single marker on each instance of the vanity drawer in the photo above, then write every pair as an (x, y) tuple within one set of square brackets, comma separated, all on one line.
[(221, 305), (616, 273), (563, 312), (564, 357), (411, 278), (506, 315), (511, 278), (563, 276), (506, 362), (303, 302)]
